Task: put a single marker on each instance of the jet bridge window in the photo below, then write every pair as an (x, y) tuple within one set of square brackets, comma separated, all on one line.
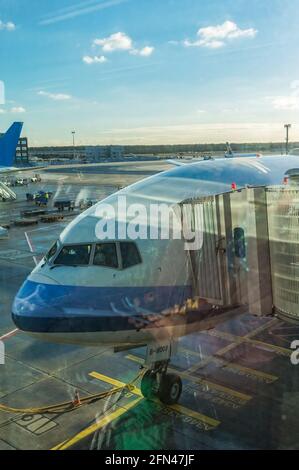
[(74, 255), (129, 254), (106, 255), (239, 242)]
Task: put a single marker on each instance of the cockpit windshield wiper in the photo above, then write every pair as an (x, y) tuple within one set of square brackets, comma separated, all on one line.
[(64, 266)]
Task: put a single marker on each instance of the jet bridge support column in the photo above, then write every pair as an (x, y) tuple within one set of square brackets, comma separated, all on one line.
[(6, 193), (260, 299)]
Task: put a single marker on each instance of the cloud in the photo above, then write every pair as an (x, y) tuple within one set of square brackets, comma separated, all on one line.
[(2, 111), (9, 26), (18, 110), (218, 36), (94, 60), (144, 52), (55, 96), (122, 42), (216, 132), (287, 102), (116, 42), (80, 9)]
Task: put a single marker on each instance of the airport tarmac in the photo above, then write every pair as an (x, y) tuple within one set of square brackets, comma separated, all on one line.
[(240, 389)]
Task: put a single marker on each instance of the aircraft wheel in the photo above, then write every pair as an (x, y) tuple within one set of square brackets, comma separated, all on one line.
[(148, 384), (170, 389)]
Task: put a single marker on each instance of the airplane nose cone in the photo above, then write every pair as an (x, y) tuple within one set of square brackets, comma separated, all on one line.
[(42, 306), (32, 304)]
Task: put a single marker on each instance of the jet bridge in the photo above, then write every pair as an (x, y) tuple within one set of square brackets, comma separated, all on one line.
[(250, 250), (283, 220)]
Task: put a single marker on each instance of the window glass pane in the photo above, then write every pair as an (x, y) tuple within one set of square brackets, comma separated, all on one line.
[(52, 251), (130, 255), (106, 255), (239, 242), (74, 255)]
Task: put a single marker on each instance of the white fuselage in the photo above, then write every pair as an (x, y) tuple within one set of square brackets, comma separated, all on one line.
[(92, 303)]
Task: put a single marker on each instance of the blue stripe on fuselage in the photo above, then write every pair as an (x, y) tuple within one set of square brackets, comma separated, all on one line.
[(56, 308)]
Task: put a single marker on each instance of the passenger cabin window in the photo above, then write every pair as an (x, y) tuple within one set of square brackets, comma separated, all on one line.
[(129, 254), (74, 255), (106, 255)]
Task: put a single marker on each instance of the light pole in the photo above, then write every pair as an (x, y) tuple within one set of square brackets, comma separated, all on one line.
[(287, 128), (73, 134)]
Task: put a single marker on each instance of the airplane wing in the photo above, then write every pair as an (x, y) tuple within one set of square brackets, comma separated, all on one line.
[(180, 163), (7, 170), (176, 162)]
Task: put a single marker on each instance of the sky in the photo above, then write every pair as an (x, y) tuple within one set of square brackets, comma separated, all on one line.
[(150, 71)]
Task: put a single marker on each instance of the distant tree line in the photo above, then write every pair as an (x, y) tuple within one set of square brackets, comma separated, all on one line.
[(267, 147)]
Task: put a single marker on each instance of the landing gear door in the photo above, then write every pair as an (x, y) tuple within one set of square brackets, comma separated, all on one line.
[(160, 352)]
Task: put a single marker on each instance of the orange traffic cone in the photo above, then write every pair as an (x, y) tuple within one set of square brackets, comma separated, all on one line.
[(76, 400)]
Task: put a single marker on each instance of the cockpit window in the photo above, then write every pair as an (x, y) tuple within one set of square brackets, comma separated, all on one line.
[(74, 255), (52, 251), (106, 255), (130, 254)]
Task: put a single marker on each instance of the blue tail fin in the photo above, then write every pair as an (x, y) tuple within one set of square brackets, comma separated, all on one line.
[(8, 144)]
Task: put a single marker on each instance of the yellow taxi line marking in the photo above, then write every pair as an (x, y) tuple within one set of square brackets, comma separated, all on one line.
[(262, 327), (235, 341), (232, 337), (285, 351), (213, 385), (200, 380), (137, 359), (233, 365), (245, 339), (194, 414), (193, 353), (114, 382), (179, 408), (96, 426), (258, 373)]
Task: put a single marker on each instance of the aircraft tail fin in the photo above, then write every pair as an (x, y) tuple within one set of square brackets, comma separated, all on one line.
[(229, 152), (8, 144)]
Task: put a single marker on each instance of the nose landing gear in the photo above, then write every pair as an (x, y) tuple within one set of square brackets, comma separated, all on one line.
[(156, 382), (170, 389)]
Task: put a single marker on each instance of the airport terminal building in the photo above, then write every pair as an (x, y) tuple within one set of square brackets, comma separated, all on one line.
[(103, 152), (22, 153), (90, 153)]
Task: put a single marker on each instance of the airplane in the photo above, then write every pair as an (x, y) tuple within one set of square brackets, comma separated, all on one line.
[(126, 292), (231, 154), (228, 154), (8, 145)]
